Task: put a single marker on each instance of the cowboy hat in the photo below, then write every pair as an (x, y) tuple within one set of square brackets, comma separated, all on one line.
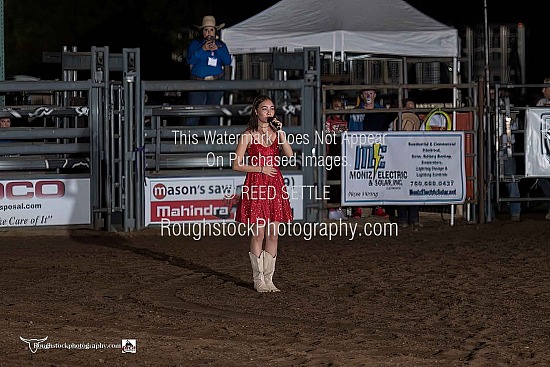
[(210, 21), (409, 122)]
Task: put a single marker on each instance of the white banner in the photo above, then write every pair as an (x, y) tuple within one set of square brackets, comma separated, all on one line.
[(417, 167), (537, 142), (44, 202), (212, 199)]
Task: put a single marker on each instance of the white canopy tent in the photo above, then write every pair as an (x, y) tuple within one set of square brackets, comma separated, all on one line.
[(383, 27)]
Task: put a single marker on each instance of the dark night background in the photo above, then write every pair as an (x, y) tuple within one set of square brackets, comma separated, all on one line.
[(32, 27)]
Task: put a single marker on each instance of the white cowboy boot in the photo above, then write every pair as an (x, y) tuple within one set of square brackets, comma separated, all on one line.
[(269, 269), (258, 272)]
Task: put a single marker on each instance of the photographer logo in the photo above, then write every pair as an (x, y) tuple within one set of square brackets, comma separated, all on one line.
[(33, 343), (129, 345)]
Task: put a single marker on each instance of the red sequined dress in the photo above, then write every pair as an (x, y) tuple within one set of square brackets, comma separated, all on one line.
[(264, 197)]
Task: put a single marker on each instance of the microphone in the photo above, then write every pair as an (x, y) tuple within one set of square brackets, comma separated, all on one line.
[(274, 123)]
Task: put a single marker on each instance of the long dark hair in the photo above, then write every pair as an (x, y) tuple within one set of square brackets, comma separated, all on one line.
[(253, 121)]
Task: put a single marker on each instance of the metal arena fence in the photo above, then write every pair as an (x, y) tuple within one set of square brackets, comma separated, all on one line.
[(114, 152)]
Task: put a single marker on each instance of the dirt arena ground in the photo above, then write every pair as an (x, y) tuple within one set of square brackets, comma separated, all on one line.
[(467, 295)]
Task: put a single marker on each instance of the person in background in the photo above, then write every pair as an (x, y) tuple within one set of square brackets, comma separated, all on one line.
[(208, 59), (544, 183), (264, 200), (545, 100), (335, 124), (509, 166), (410, 121), (369, 122), (5, 122), (508, 161), (409, 103), (408, 215)]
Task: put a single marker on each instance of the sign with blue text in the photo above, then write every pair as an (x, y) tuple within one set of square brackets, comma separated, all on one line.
[(416, 168)]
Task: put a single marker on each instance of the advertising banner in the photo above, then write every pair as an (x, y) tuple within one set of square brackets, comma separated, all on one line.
[(537, 142), (417, 168), (210, 199), (44, 202)]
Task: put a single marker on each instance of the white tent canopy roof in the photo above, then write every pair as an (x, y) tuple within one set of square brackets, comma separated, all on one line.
[(387, 27)]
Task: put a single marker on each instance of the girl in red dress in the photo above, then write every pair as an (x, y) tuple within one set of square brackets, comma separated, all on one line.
[(265, 198)]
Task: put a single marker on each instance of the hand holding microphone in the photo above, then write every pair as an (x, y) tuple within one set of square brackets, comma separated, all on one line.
[(275, 124), (210, 44)]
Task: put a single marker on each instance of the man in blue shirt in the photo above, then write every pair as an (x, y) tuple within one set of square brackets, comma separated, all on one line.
[(207, 57)]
